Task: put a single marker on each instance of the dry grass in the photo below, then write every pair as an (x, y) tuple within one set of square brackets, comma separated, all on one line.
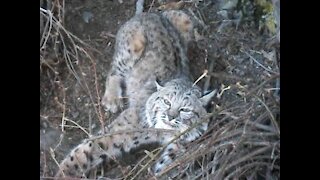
[(69, 49), (243, 140), (239, 144), (60, 49)]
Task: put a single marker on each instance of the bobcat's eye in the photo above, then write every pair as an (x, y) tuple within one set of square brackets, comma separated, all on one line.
[(185, 109), (167, 102)]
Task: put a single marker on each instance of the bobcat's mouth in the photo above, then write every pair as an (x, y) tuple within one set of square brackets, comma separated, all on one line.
[(171, 122)]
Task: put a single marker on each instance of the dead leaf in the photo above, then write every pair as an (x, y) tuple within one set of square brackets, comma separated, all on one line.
[(172, 6)]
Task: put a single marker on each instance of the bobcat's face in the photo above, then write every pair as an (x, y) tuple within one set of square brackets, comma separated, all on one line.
[(177, 107)]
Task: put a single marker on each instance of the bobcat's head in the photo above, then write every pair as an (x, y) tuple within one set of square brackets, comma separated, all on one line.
[(178, 105)]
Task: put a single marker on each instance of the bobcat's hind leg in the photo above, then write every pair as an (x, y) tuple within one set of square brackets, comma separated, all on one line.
[(130, 44)]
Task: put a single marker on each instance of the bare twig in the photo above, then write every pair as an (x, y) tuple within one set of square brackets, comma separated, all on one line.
[(80, 127), (54, 159), (248, 156), (273, 120), (195, 17), (207, 83), (248, 166), (99, 109), (205, 72), (44, 40), (251, 57)]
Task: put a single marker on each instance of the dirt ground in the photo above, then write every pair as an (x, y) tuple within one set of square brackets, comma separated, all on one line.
[(240, 59)]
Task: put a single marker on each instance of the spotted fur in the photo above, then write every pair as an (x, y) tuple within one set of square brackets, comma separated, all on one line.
[(150, 61)]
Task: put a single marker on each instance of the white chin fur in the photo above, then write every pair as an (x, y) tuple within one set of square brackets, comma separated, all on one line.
[(162, 125)]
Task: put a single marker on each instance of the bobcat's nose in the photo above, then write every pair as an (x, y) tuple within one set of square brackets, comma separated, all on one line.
[(172, 115)]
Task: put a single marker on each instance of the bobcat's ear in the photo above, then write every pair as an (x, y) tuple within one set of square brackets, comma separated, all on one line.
[(159, 87), (206, 98)]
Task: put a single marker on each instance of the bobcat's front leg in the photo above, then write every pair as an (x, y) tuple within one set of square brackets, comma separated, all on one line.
[(112, 99), (167, 157)]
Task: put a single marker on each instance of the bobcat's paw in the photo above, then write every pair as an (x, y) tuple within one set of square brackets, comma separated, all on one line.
[(112, 100), (168, 156), (112, 103)]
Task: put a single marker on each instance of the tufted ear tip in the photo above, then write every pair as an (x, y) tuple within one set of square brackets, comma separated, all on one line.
[(207, 98), (159, 87)]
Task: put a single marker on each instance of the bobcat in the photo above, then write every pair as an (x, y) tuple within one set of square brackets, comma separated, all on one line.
[(149, 68)]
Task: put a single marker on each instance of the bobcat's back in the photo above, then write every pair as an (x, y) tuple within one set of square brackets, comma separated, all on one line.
[(151, 47)]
